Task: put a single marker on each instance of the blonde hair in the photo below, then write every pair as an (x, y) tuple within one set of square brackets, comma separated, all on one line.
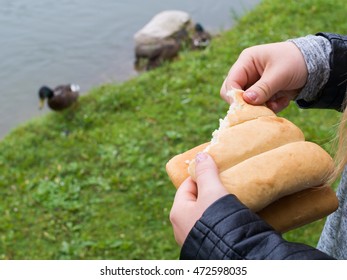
[(340, 145)]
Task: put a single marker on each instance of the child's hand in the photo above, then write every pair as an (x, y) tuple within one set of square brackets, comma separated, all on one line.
[(192, 199), (271, 74)]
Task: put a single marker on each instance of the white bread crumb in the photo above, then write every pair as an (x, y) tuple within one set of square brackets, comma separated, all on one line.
[(224, 123)]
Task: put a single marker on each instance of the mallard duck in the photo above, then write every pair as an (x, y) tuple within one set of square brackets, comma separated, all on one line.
[(200, 38), (59, 98)]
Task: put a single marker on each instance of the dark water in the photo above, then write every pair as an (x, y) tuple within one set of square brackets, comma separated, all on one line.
[(82, 41)]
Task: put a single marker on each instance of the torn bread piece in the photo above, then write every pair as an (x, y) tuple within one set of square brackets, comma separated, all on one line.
[(240, 111), (240, 142), (247, 130)]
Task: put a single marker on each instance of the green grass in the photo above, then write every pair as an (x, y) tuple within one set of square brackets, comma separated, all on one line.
[(90, 183)]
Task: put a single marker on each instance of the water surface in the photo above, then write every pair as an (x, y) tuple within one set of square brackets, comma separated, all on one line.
[(82, 41)]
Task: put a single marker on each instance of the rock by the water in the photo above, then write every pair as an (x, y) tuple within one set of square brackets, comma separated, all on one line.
[(164, 35), (162, 26)]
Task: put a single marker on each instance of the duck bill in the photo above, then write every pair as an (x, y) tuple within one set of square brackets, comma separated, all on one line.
[(42, 103)]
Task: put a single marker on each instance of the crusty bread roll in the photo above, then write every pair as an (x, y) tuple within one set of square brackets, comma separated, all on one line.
[(287, 213), (177, 167), (265, 161), (237, 143), (300, 208), (240, 111), (268, 176)]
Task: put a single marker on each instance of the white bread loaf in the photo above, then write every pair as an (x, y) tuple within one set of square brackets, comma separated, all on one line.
[(265, 161), (240, 142)]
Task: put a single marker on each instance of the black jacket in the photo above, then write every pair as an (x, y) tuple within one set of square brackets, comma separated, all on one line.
[(229, 230)]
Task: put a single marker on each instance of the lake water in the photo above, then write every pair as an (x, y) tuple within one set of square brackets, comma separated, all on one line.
[(81, 41)]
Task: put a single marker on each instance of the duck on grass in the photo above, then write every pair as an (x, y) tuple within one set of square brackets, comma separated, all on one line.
[(59, 98)]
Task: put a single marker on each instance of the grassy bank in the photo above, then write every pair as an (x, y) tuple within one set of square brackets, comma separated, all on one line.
[(90, 183)]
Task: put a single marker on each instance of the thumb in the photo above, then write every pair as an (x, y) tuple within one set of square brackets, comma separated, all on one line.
[(260, 92), (271, 82), (207, 178)]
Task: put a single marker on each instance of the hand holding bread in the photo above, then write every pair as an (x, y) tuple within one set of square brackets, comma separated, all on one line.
[(265, 161)]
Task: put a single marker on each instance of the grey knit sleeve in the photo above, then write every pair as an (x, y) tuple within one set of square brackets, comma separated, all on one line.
[(316, 51)]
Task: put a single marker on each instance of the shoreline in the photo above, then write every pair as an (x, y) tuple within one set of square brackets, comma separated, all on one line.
[(91, 183), (46, 54)]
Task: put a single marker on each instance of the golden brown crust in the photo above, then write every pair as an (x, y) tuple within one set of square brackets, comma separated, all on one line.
[(300, 208), (240, 111), (290, 168), (240, 142), (287, 213), (177, 167)]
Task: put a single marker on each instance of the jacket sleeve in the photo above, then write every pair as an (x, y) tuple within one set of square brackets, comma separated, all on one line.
[(228, 230), (332, 94)]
